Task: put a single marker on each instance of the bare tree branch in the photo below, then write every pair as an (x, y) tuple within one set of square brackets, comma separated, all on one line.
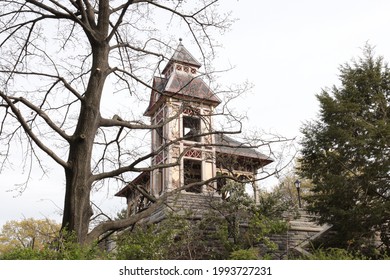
[(28, 130)]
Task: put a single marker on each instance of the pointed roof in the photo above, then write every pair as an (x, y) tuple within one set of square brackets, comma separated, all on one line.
[(180, 84), (182, 55)]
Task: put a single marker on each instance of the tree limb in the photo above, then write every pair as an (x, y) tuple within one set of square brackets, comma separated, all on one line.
[(29, 132)]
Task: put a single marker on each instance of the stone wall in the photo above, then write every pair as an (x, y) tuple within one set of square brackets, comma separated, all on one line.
[(189, 204), (302, 230)]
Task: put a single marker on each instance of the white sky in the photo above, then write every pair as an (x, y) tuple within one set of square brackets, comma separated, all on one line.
[(289, 50)]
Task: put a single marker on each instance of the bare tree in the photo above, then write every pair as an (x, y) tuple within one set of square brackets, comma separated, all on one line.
[(60, 61)]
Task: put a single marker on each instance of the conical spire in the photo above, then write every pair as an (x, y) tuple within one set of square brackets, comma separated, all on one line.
[(182, 55)]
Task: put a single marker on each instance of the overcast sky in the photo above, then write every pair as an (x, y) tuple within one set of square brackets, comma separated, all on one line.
[(288, 49)]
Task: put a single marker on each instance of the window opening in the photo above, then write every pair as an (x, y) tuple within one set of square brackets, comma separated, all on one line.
[(191, 128), (193, 174), (159, 136)]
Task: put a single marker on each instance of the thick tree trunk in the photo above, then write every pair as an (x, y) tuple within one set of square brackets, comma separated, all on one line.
[(77, 208)]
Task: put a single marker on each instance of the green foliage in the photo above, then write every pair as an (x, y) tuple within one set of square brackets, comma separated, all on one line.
[(177, 237), (245, 254), (334, 254), (266, 219), (287, 191), (67, 248), (345, 153), (246, 224), (145, 243), (68, 251), (121, 214), (64, 247), (195, 239), (21, 253)]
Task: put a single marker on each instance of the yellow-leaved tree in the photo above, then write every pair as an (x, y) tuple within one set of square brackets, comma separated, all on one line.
[(27, 233)]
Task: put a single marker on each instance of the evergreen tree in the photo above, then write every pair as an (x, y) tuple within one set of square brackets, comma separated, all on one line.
[(346, 154)]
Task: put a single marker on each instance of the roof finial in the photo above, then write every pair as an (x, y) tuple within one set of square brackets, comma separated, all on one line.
[(180, 40)]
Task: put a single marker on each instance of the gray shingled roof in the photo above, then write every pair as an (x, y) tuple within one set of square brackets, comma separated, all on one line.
[(189, 86), (230, 146), (183, 86), (183, 55)]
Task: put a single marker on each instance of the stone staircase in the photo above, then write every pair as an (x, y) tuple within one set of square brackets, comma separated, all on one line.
[(302, 231)]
